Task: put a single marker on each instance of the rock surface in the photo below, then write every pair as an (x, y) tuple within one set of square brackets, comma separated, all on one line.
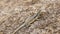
[(14, 12)]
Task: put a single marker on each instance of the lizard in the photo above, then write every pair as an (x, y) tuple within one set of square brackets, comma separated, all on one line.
[(28, 21)]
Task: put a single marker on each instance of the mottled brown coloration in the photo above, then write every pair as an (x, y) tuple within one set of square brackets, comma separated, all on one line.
[(1, 32)]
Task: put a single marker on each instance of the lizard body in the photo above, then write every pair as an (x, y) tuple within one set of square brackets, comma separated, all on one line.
[(28, 21)]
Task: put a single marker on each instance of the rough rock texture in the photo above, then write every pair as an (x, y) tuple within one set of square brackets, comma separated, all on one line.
[(14, 12)]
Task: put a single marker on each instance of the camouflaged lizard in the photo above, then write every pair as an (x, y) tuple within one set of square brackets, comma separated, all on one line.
[(28, 21)]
